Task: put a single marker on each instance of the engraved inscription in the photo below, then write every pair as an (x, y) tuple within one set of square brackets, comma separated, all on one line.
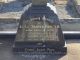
[(41, 31)]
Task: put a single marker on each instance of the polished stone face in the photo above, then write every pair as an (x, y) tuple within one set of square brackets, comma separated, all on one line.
[(38, 30), (39, 24)]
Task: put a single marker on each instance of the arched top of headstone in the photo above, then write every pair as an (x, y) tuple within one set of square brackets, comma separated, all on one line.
[(39, 2)]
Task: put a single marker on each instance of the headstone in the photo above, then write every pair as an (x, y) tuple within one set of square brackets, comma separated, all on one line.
[(39, 30)]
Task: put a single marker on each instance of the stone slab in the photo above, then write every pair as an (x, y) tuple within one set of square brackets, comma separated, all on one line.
[(73, 52)]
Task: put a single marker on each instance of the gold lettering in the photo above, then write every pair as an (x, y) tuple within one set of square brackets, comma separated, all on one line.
[(50, 49), (40, 49), (29, 49)]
